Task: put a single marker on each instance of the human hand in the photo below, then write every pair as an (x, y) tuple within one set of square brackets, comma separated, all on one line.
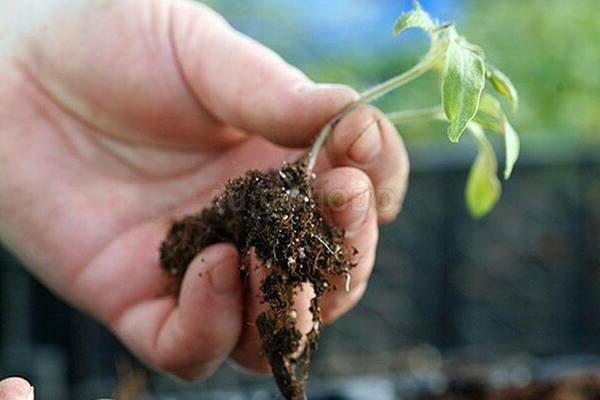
[(15, 389), (116, 117)]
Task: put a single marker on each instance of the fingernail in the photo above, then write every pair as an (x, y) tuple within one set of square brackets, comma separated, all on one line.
[(30, 395), (353, 214), (368, 144), (224, 275)]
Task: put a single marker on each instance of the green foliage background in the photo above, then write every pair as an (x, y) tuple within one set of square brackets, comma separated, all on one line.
[(549, 48)]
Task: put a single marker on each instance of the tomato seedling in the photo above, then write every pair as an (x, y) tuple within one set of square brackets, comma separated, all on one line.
[(465, 103)]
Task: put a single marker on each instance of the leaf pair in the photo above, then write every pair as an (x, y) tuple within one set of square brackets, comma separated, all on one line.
[(466, 106), (463, 81), (464, 74)]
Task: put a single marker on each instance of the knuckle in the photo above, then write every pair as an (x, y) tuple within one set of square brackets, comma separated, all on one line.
[(350, 128)]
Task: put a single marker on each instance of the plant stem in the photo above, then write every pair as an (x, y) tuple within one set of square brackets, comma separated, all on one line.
[(424, 114), (369, 96), (394, 83)]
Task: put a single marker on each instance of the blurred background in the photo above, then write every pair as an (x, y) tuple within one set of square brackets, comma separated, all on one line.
[(516, 294)]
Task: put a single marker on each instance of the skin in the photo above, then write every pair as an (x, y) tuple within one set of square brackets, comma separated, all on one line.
[(116, 117), (15, 389)]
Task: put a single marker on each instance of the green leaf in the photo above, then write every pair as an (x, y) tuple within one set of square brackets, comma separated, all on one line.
[(463, 80), (416, 18), (490, 115), (513, 148), (504, 86), (483, 187)]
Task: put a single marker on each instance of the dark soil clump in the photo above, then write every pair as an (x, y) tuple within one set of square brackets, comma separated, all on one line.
[(276, 216)]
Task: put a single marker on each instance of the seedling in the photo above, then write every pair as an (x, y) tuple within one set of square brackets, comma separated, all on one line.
[(276, 217), (464, 103)]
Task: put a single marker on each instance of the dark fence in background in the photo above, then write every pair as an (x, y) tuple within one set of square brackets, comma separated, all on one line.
[(525, 279)]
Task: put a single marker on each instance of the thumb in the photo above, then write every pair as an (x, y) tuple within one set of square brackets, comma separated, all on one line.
[(244, 84), (15, 389)]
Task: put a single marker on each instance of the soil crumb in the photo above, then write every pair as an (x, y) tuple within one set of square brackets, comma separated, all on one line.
[(276, 216)]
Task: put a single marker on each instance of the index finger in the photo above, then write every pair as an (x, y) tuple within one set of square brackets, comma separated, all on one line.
[(245, 84)]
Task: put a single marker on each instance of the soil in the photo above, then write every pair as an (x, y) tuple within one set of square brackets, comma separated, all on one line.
[(275, 216), (572, 388)]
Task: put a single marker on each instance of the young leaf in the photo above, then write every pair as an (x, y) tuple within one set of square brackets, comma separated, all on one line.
[(504, 86), (513, 147), (417, 18), (463, 80), (483, 187), (490, 115)]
